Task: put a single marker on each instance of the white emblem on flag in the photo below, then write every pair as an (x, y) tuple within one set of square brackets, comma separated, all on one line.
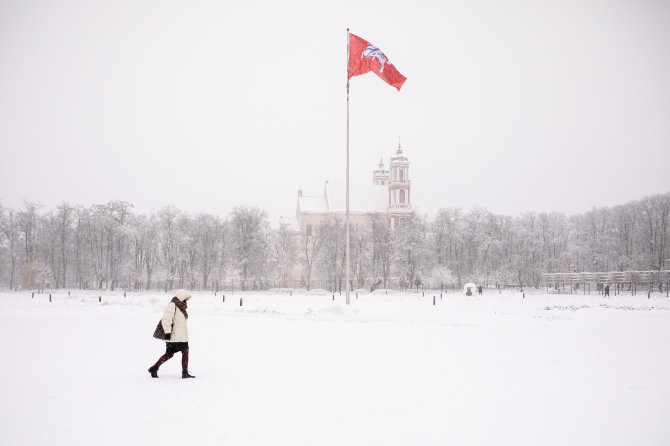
[(373, 51)]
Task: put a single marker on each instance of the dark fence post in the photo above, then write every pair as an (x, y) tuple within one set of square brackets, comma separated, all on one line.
[(49, 297), (433, 300), (240, 301)]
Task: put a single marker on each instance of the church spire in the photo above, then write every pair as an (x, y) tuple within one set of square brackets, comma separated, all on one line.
[(381, 175)]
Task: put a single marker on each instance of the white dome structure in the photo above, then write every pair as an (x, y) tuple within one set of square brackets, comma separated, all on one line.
[(469, 289)]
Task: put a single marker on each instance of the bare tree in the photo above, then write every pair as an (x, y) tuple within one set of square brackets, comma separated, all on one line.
[(250, 231), (309, 248), (169, 243), (656, 211), (224, 255), (82, 253), (208, 230), (27, 222), (48, 247), (324, 251), (285, 253), (411, 250), (382, 251), (150, 239), (9, 227)]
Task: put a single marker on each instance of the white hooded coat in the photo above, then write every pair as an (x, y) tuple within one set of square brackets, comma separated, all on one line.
[(174, 321)]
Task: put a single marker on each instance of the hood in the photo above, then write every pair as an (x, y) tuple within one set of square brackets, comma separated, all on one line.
[(182, 295)]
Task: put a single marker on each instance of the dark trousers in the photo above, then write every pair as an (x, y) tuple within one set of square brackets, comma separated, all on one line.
[(172, 348)]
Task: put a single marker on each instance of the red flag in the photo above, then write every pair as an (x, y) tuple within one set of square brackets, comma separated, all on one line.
[(364, 57)]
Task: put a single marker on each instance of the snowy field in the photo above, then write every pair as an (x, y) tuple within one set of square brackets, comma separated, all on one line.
[(304, 370)]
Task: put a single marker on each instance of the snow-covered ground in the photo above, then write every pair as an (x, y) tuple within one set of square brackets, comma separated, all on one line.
[(306, 370)]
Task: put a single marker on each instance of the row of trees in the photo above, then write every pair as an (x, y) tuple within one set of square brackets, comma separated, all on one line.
[(109, 246)]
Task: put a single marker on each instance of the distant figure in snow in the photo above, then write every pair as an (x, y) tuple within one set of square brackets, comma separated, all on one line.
[(176, 333), (607, 290), (479, 290)]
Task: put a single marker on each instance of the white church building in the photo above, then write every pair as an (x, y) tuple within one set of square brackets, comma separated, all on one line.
[(387, 196)]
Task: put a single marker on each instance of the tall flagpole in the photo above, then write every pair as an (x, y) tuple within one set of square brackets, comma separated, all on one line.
[(346, 225)]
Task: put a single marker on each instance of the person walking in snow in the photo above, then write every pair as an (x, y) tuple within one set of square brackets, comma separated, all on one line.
[(176, 333)]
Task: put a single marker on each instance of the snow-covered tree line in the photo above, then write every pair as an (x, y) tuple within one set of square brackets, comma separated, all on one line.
[(486, 248), (455, 247), (109, 246)]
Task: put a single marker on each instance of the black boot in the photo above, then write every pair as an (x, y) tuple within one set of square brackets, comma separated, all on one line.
[(154, 371), (185, 374)]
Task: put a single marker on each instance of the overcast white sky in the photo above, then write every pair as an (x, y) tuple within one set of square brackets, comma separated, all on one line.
[(205, 105)]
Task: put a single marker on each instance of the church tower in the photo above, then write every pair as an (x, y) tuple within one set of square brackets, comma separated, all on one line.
[(380, 177), (399, 204)]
